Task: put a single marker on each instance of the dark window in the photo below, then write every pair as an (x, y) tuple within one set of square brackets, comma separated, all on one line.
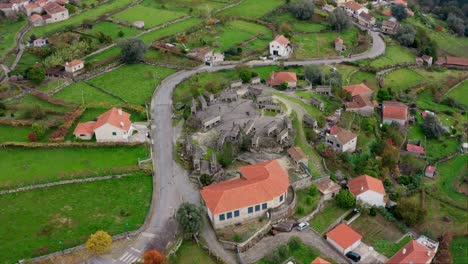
[(264, 206), (114, 133), (281, 198), (229, 215), (257, 208), (250, 209), (236, 213), (221, 217)]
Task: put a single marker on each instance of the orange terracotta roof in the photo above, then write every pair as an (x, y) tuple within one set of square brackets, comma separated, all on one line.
[(115, 117), (413, 252), (364, 183), (344, 235), (282, 40), (358, 89), (343, 135), (415, 149), (36, 16), (73, 63), (455, 61), (278, 78), (430, 169), (353, 5), (359, 101), (53, 8), (400, 2), (387, 13), (31, 6), (395, 110), (84, 128), (296, 154), (319, 260), (259, 183), (339, 40)]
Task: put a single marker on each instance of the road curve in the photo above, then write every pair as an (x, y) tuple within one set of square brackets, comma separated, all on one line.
[(170, 183)]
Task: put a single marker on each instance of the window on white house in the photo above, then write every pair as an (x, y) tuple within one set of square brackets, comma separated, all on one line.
[(114, 133), (250, 210), (281, 198), (236, 213), (257, 208), (229, 215), (221, 217), (264, 206)]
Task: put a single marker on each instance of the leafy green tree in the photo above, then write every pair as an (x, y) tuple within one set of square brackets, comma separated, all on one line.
[(133, 51), (120, 33), (410, 211), (431, 127), (36, 74), (189, 217), (383, 95), (410, 165), (38, 129), (313, 73), (227, 155), (345, 199), (99, 242), (399, 12), (339, 20), (406, 35), (456, 24), (302, 9)]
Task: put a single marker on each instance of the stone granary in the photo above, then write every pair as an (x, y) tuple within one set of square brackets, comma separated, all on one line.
[(203, 104), (194, 153), (211, 121), (209, 96), (254, 91), (235, 84), (228, 96), (265, 101), (255, 80), (323, 89), (309, 121), (193, 106), (317, 103)]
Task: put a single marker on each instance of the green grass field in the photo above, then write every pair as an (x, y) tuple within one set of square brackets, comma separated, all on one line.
[(47, 220), (299, 25), (191, 253), (151, 16), (26, 61), (8, 31), (460, 93), (81, 92), (389, 249), (29, 100), (435, 149), (450, 175), (112, 30), (394, 54), (11, 133), (135, 83), (321, 45), (194, 7), (306, 201), (253, 8), (49, 85), (303, 254), (106, 54), (170, 30), (402, 79), (23, 166), (458, 249), (326, 217), (78, 19), (364, 77)]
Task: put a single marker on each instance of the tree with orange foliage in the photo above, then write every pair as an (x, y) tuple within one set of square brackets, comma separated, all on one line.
[(153, 256)]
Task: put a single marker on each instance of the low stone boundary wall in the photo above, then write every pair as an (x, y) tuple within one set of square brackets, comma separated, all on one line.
[(241, 247), (306, 182)]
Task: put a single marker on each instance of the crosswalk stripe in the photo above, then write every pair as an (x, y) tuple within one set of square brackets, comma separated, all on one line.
[(139, 251), (129, 256), (124, 255), (132, 259)]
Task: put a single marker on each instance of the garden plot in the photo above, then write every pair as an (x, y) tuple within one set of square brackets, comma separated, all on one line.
[(394, 54), (170, 30), (112, 30), (30, 100), (8, 31), (194, 7), (134, 83), (47, 220), (460, 93), (22, 166), (302, 26), (253, 8), (403, 79), (151, 16), (14, 133), (321, 45)]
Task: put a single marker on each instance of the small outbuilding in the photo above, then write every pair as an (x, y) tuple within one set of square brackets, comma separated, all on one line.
[(344, 238), (328, 188), (139, 24), (430, 171)]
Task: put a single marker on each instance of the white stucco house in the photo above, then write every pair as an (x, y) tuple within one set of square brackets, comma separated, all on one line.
[(368, 190), (260, 187), (112, 126), (281, 47), (74, 67), (341, 140), (39, 42), (344, 238)]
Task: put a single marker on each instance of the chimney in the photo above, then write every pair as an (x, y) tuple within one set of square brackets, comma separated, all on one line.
[(121, 124), (404, 251), (428, 253), (119, 111), (362, 189)]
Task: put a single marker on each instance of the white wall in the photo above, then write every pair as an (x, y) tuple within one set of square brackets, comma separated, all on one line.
[(350, 146), (344, 250), (283, 51), (389, 121), (104, 134), (372, 198)]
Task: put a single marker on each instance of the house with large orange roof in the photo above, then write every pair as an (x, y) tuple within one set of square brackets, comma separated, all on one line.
[(368, 190), (281, 47), (393, 111), (420, 251), (319, 260), (278, 78), (358, 89), (260, 187), (344, 238), (112, 126)]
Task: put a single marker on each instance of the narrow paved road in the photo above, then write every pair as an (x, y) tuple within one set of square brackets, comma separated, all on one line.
[(170, 182)]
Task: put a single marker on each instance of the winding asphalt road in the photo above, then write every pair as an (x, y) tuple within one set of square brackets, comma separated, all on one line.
[(171, 185)]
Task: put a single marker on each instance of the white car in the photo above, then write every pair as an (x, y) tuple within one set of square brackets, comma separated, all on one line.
[(302, 226)]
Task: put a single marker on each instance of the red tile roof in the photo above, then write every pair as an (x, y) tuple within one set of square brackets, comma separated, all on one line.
[(454, 61), (31, 6), (366, 16), (296, 154), (73, 63), (339, 40), (415, 149), (84, 128), (395, 110), (6, 5), (282, 40), (115, 117), (343, 135), (344, 235), (319, 260), (259, 183), (278, 78), (413, 252), (364, 183), (358, 89), (53, 8), (353, 5), (400, 2), (430, 169), (36, 16), (359, 101)]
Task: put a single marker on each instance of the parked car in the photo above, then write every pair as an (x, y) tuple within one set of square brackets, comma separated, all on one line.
[(353, 256), (302, 226)]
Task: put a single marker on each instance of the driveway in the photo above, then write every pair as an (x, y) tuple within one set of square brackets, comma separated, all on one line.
[(369, 255), (268, 244)]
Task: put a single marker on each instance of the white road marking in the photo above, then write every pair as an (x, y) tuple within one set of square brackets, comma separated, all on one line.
[(139, 251), (124, 255), (145, 234)]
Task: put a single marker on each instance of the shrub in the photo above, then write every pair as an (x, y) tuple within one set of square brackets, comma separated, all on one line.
[(313, 190), (237, 238), (189, 217), (345, 199), (35, 112), (303, 9), (99, 242), (300, 210), (294, 243), (373, 211)]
